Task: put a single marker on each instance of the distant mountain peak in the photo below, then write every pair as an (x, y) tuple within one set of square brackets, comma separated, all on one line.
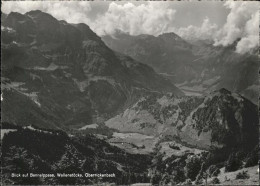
[(35, 12), (39, 13), (16, 16), (169, 34)]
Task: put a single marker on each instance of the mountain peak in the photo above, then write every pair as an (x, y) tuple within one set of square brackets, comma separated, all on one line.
[(170, 35), (34, 12), (17, 16), (37, 13), (42, 16), (86, 31)]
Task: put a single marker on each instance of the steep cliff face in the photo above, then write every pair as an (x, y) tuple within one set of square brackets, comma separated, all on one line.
[(69, 70), (220, 119)]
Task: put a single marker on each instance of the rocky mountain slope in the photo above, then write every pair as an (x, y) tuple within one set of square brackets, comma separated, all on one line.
[(196, 66), (219, 120), (224, 68), (168, 53), (65, 73)]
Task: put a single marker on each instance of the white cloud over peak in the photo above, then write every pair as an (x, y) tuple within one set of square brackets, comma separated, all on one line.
[(80, 15), (207, 30), (250, 39), (151, 18), (71, 11), (154, 18), (242, 23)]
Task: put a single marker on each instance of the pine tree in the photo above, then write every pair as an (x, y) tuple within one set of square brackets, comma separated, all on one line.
[(71, 162), (19, 161), (192, 167), (202, 175), (233, 163)]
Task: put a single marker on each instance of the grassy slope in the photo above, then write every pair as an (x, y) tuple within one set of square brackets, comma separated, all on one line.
[(231, 177)]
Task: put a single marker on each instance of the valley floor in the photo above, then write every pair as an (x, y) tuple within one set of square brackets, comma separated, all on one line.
[(134, 142)]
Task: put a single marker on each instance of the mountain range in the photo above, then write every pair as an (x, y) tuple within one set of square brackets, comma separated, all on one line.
[(66, 74), (193, 65), (105, 102)]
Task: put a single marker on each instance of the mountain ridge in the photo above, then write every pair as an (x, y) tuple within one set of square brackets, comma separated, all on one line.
[(219, 120), (73, 65), (198, 65)]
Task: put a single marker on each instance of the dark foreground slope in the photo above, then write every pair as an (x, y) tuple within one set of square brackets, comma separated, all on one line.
[(34, 150), (194, 139), (39, 151)]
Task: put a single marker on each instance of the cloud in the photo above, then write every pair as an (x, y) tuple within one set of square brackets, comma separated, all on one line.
[(207, 30), (146, 18), (150, 18), (71, 11), (242, 23), (251, 38)]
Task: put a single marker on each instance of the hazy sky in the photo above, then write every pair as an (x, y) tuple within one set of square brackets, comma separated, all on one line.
[(223, 22)]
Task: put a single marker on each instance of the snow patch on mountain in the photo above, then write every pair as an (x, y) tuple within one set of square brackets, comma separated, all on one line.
[(6, 131)]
